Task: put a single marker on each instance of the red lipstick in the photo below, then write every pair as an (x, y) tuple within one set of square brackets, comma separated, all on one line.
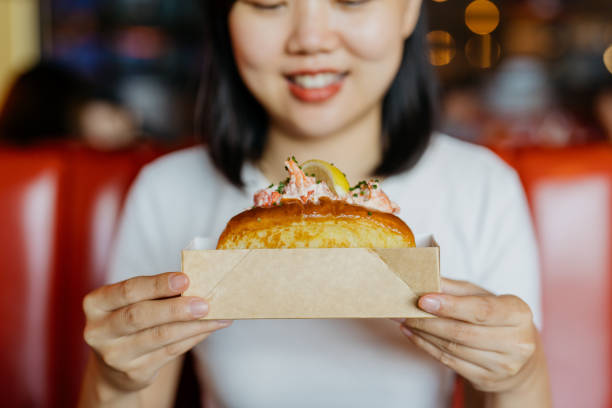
[(315, 95)]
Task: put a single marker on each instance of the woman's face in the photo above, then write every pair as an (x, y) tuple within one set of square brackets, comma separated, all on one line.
[(317, 66)]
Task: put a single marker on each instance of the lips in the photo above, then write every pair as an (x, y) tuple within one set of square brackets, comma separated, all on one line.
[(315, 86)]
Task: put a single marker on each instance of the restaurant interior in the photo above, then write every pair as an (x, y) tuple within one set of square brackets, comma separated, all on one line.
[(93, 90)]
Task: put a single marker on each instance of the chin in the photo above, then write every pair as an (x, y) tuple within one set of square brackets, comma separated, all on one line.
[(316, 128), (319, 121)]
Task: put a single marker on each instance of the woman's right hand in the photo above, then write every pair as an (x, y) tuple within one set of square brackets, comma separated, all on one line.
[(137, 326)]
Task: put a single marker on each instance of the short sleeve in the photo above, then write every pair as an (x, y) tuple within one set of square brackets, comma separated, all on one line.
[(508, 259), (138, 243)]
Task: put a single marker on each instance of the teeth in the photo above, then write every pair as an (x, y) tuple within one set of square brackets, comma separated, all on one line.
[(316, 81)]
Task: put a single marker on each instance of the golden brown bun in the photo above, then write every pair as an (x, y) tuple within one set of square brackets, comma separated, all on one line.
[(329, 224)]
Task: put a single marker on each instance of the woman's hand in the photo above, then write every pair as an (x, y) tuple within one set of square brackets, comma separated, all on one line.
[(489, 340), (137, 326)]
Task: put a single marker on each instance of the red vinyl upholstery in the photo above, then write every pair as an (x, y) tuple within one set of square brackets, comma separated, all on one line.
[(570, 193), (98, 183), (30, 191), (59, 209), (58, 212)]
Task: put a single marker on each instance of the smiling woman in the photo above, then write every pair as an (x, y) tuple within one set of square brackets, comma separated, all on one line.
[(347, 82), (315, 68)]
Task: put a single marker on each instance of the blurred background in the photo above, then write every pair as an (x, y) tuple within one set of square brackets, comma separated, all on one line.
[(531, 72), (92, 90)]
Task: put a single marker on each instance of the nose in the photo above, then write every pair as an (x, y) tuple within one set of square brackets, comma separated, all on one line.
[(312, 31)]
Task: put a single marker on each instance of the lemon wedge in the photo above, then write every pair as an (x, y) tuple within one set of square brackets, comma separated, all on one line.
[(328, 173)]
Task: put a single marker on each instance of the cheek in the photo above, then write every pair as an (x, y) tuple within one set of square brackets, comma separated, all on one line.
[(376, 45), (377, 37), (255, 47)]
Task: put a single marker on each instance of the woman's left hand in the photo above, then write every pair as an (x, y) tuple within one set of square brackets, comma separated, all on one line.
[(489, 340)]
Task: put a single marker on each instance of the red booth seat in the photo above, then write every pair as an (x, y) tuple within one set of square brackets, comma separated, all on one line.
[(64, 202), (98, 183), (58, 210), (570, 193), (30, 219)]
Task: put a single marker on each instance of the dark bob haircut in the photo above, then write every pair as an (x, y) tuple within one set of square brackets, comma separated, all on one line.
[(234, 125)]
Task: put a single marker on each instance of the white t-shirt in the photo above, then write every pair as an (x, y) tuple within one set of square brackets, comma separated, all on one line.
[(463, 194)]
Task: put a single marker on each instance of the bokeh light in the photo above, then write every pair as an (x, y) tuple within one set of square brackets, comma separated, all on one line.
[(607, 57), (441, 48), (482, 51), (482, 17)]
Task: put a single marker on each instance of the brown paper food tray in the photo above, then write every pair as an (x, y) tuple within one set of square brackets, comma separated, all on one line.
[(313, 283)]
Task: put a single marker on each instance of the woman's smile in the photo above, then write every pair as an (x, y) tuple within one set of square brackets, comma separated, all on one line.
[(315, 86)]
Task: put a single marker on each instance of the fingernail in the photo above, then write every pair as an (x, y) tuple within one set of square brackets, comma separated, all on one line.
[(225, 322), (177, 282), (198, 308), (406, 331), (430, 304)]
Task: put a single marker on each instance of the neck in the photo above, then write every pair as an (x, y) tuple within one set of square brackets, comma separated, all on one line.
[(355, 150)]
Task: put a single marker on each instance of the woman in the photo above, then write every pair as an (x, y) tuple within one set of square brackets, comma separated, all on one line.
[(345, 81)]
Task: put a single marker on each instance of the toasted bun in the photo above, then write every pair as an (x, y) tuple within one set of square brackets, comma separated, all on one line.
[(329, 224)]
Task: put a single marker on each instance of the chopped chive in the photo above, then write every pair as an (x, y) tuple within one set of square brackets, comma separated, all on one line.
[(375, 186), (293, 158), (355, 195), (271, 185), (258, 219), (319, 182), (369, 212)]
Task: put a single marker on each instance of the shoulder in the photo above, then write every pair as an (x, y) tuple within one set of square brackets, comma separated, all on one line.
[(179, 171), (461, 158), (184, 162), (457, 167)]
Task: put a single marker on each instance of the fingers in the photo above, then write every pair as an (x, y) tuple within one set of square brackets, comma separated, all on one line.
[(485, 369), (461, 333), (141, 372), (146, 314), (461, 288), (157, 337), (112, 297), (137, 357), (462, 367), (489, 360), (487, 310), (158, 358)]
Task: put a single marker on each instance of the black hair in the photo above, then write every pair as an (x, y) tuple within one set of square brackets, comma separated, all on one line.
[(233, 124)]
